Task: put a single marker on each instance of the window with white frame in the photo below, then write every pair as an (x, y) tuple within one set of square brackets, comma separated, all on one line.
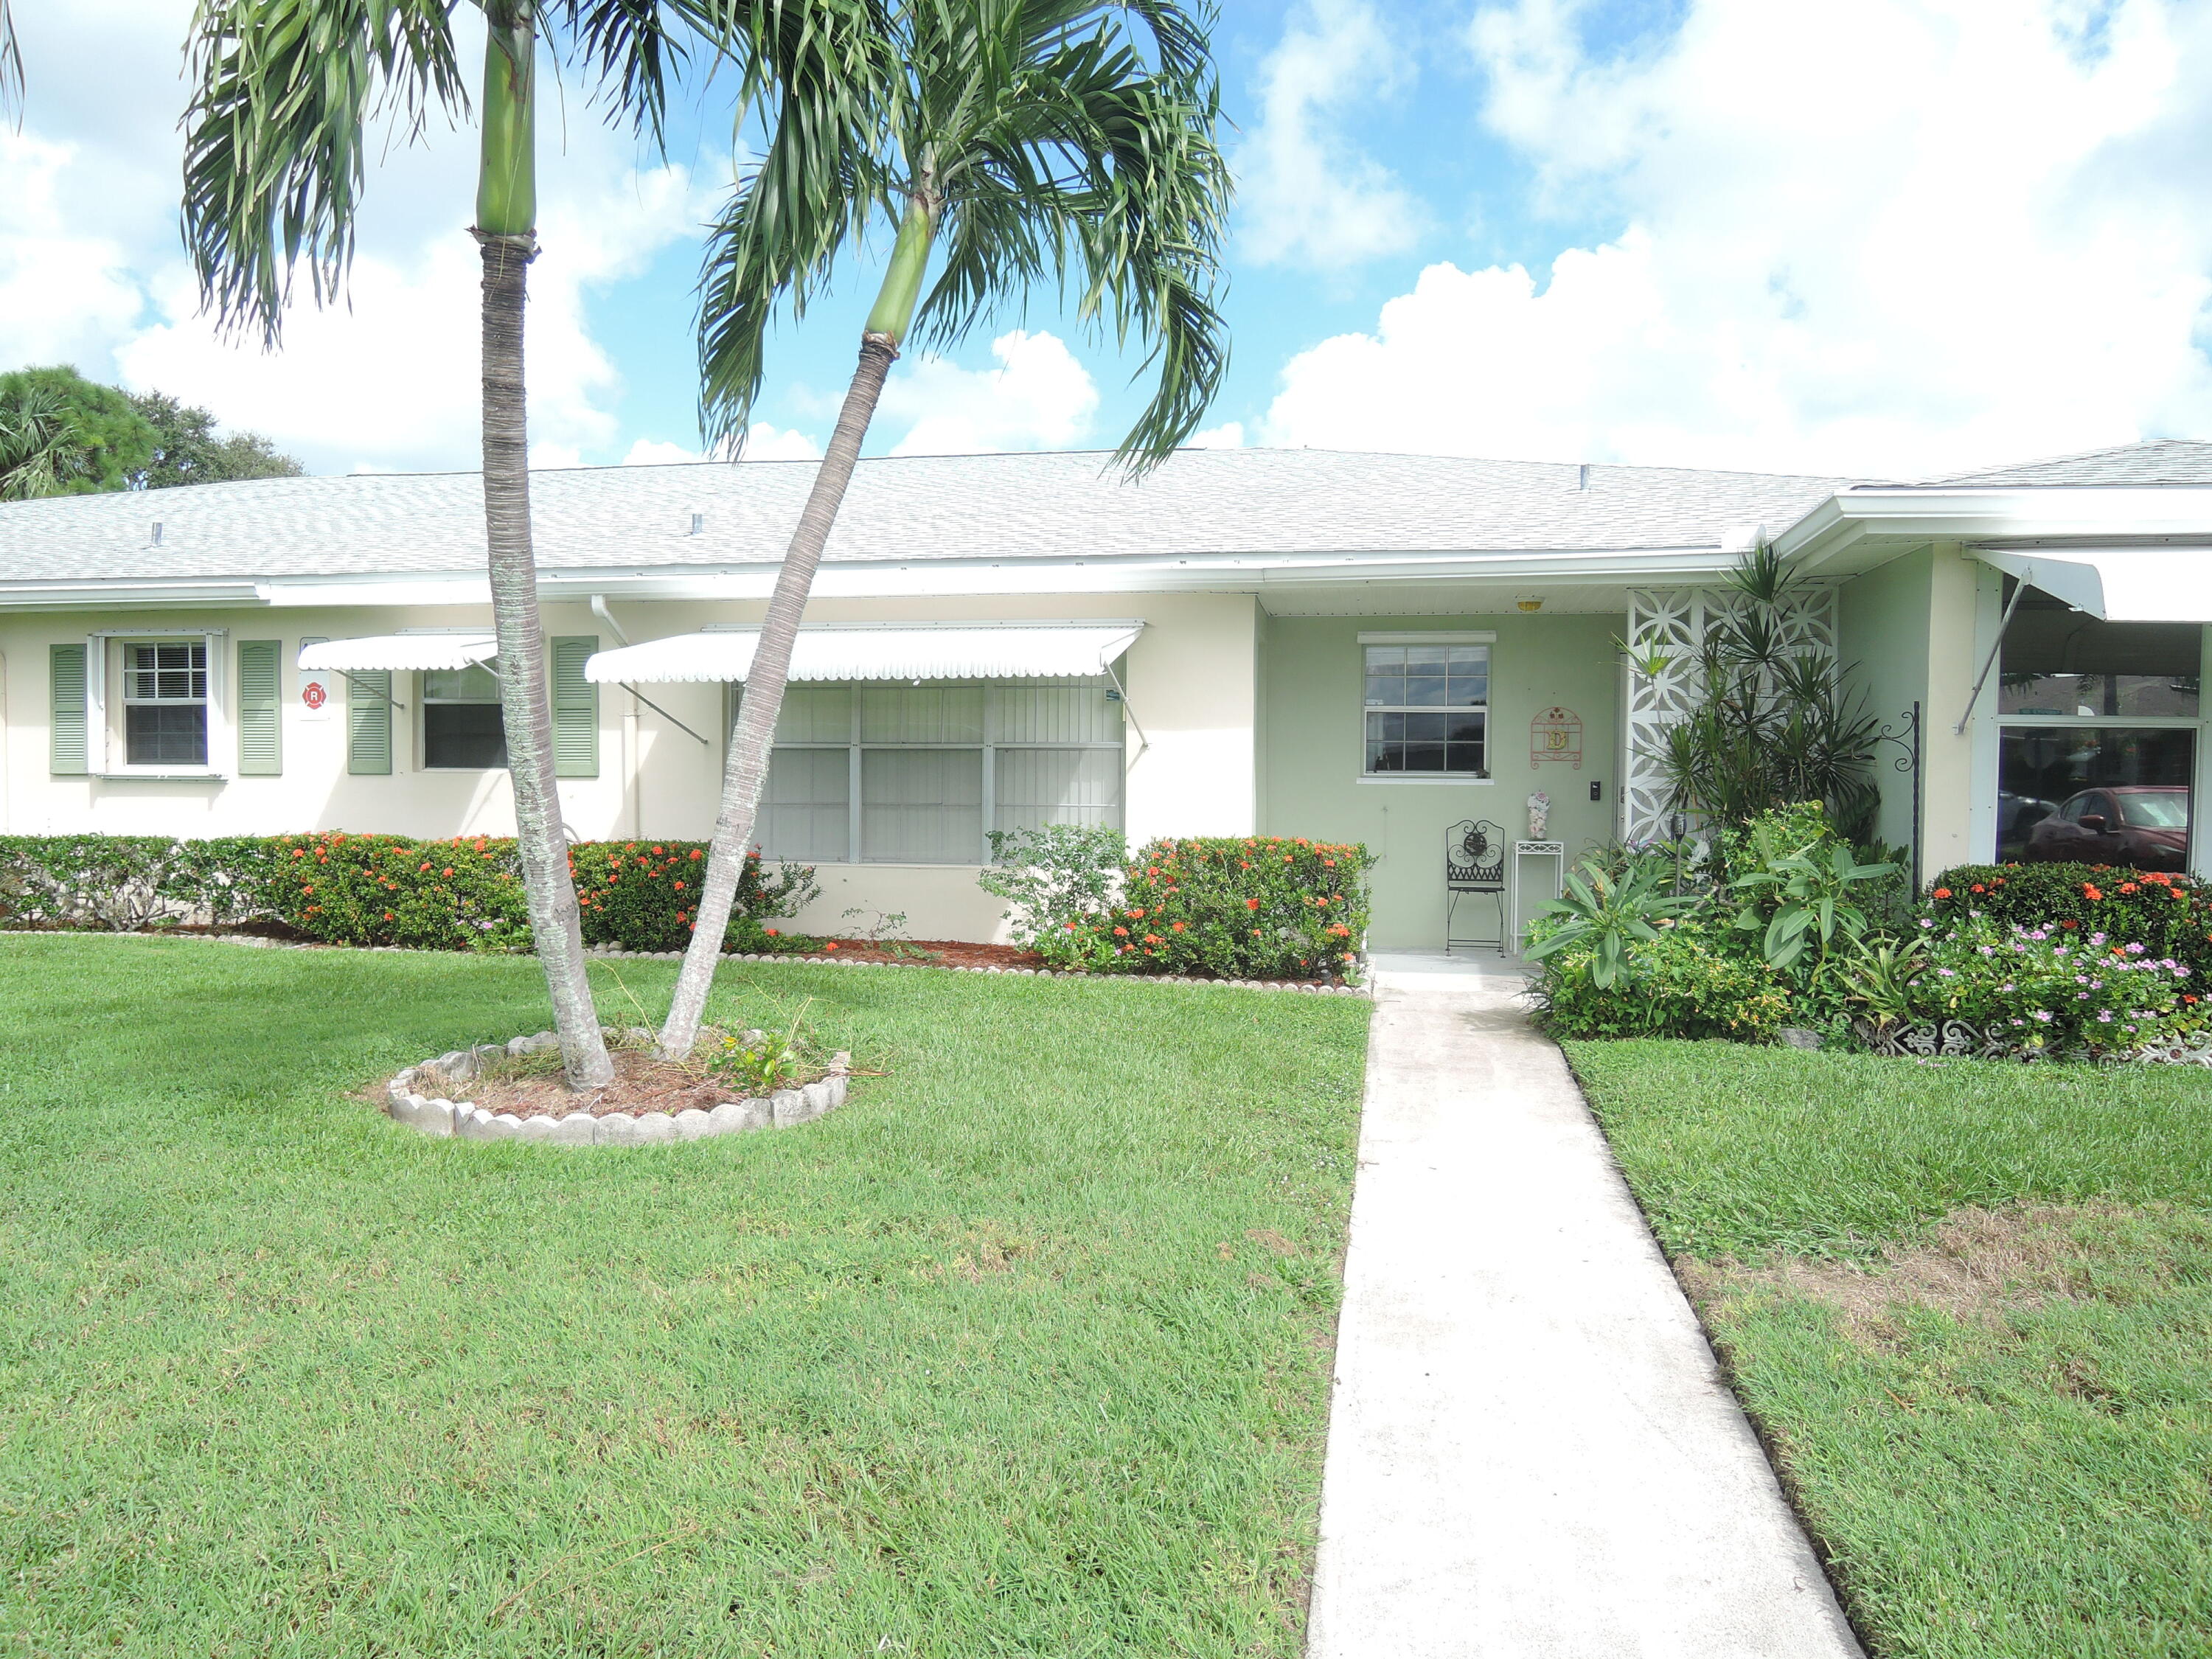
[(462, 727), (1427, 709), (921, 774), (165, 702)]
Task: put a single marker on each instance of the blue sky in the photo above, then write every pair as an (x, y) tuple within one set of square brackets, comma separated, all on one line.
[(1863, 237)]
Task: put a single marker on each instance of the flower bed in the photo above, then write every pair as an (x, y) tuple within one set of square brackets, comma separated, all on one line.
[(1784, 927)]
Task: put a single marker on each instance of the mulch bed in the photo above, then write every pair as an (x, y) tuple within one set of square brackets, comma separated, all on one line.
[(642, 1085)]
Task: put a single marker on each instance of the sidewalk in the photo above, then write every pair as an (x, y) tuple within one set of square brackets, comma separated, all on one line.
[(1531, 1452)]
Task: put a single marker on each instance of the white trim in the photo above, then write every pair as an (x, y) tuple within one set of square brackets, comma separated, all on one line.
[(1473, 637), (221, 733), (1429, 780)]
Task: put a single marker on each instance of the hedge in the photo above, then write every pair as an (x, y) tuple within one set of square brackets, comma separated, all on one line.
[(340, 889), (1252, 906), (2171, 914)]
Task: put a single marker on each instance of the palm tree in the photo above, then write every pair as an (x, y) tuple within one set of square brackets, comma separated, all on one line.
[(37, 444), (11, 63), (277, 137), (1030, 138)]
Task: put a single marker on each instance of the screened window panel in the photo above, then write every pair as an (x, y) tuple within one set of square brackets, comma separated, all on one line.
[(922, 714), (815, 714), (806, 811), (475, 683), (921, 805), (1067, 711), (1037, 786)]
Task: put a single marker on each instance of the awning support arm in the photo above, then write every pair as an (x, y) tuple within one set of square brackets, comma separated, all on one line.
[(1143, 742), (663, 713), (2020, 587), (347, 674)]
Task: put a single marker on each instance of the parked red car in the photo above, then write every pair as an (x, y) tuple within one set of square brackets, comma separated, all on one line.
[(2142, 825)]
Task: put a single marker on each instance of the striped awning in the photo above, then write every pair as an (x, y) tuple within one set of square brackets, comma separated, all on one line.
[(919, 652), (376, 651)]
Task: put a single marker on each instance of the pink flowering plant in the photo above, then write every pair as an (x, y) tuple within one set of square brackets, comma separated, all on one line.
[(2054, 990)]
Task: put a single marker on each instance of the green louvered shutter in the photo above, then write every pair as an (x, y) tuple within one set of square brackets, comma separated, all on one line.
[(575, 708), (260, 728), (65, 675), (368, 723)]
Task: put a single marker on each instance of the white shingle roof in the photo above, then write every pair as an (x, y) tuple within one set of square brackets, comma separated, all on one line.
[(987, 507), (2154, 461)]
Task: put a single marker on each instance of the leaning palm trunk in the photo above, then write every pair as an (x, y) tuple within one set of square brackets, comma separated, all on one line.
[(506, 232), (746, 770), (1028, 136)]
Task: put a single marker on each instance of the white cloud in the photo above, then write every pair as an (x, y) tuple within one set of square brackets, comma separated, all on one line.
[(1230, 434), (90, 270), (1038, 397), (1884, 236), (1310, 197)]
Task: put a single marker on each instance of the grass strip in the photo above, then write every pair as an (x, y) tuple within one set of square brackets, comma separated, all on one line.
[(1024, 1351), (1969, 1306)]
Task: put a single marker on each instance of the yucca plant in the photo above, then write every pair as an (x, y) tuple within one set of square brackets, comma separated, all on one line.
[(276, 143), (1773, 722), (1003, 143)]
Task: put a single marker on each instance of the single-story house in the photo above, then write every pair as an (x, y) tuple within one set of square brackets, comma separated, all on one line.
[(1350, 646)]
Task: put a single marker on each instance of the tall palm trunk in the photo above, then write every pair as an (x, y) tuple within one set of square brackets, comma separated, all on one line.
[(746, 768), (506, 232)]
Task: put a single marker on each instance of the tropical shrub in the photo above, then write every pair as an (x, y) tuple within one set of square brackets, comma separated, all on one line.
[(2059, 990), (1055, 880), (122, 883), (1607, 913), (340, 889), (641, 894), (1772, 722), (1691, 980), (1802, 906), (1250, 906), (2168, 915)]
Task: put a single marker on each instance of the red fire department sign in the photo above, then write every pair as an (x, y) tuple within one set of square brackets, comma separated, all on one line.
[(1556, 734)]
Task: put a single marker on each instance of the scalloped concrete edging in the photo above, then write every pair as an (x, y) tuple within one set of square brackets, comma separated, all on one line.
[(464, 1120)]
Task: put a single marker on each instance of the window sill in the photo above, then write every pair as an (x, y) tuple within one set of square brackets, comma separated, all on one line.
[(1432, 780), (154, 775)]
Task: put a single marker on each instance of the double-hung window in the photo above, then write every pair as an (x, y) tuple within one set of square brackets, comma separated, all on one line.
[(1427, 709), (921, 774), (165, 702), (462, 727)]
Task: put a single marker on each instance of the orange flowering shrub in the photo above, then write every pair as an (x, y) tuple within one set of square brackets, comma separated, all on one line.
[(2169, 914), (465, 894), (1241, 907)]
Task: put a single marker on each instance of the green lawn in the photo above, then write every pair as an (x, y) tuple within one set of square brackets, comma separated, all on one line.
[(1969, 1305), (1023, 1353)]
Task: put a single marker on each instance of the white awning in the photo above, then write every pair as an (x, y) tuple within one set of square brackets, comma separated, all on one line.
[(2119, 584), (1025, 651), (376, 651)]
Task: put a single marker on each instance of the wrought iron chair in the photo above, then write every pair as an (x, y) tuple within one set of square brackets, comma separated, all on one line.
[(1474, 863)]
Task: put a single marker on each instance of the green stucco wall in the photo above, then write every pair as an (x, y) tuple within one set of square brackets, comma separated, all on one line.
[(1311, 740), (1883, 632)]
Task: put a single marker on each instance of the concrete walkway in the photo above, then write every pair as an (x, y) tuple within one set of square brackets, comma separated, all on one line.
[(1531, 1451)]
